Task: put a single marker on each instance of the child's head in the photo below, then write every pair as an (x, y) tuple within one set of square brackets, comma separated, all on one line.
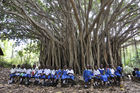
[(107, 65), (34, 66), (65, 67), (95, 67), (13, 66), (101, 66), (18, 66), (57, 67), (29, 67), (70, 68), (23, 66), (90, 67), (40, 67), (111, 66)]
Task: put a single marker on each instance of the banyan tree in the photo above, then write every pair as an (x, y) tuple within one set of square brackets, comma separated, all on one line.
[(73, 32)]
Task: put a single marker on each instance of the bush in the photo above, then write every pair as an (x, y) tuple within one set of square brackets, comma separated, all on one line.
[(5, 64), (127, 70)]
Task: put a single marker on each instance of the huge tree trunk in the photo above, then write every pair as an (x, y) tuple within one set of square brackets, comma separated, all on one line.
[(73, 55)]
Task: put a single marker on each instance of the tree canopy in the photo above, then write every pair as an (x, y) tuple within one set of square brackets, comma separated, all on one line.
[(73, 32)]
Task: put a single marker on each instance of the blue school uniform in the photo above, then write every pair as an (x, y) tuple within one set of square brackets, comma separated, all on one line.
[(37, 75), (101, 71), (88, 74), (12, 75), (108, 72), (71, 77), (64, 74), (43, 76), (58, 74), (104, 78), (104, 74), (118, 71), (137, 73)]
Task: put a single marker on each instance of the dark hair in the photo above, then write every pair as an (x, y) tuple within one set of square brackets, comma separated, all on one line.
[(18, 66), (13, 66)]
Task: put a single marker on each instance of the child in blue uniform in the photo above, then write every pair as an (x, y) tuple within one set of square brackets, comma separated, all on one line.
[(118, 73), (57, 76), (18, 73), (12, 74), (88, 75), (64, 75), (28, 75), (22, 74), (58, 73), (70, 73), (52, 76), (104, 77), (101, 69), (112, 75)]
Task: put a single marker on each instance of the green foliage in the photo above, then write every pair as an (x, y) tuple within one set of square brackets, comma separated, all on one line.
[(131, 58), (4, 63), (20, 53), (27, 53), (127, 70)]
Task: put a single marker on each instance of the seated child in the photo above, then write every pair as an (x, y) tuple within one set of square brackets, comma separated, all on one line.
[(22, 74), (104, 77), (64, 75), (47, 72), (70, 73), (52, 75), (38, 75), (28, 74), (118, 73), (97, 73), (97, 76), (12, 74), (34, 70), (18, 70), (112, 71), (88, 75), (101, 69), (58, 73)]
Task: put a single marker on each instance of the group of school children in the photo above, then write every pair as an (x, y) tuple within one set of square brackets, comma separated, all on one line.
[(50, 76), (42, 75), (104, 75)]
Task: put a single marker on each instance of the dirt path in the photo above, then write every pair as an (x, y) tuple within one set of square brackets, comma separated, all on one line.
[(130, 87)]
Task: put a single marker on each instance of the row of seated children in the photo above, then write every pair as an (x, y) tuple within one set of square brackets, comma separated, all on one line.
[(42, 75), (101, 76)]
